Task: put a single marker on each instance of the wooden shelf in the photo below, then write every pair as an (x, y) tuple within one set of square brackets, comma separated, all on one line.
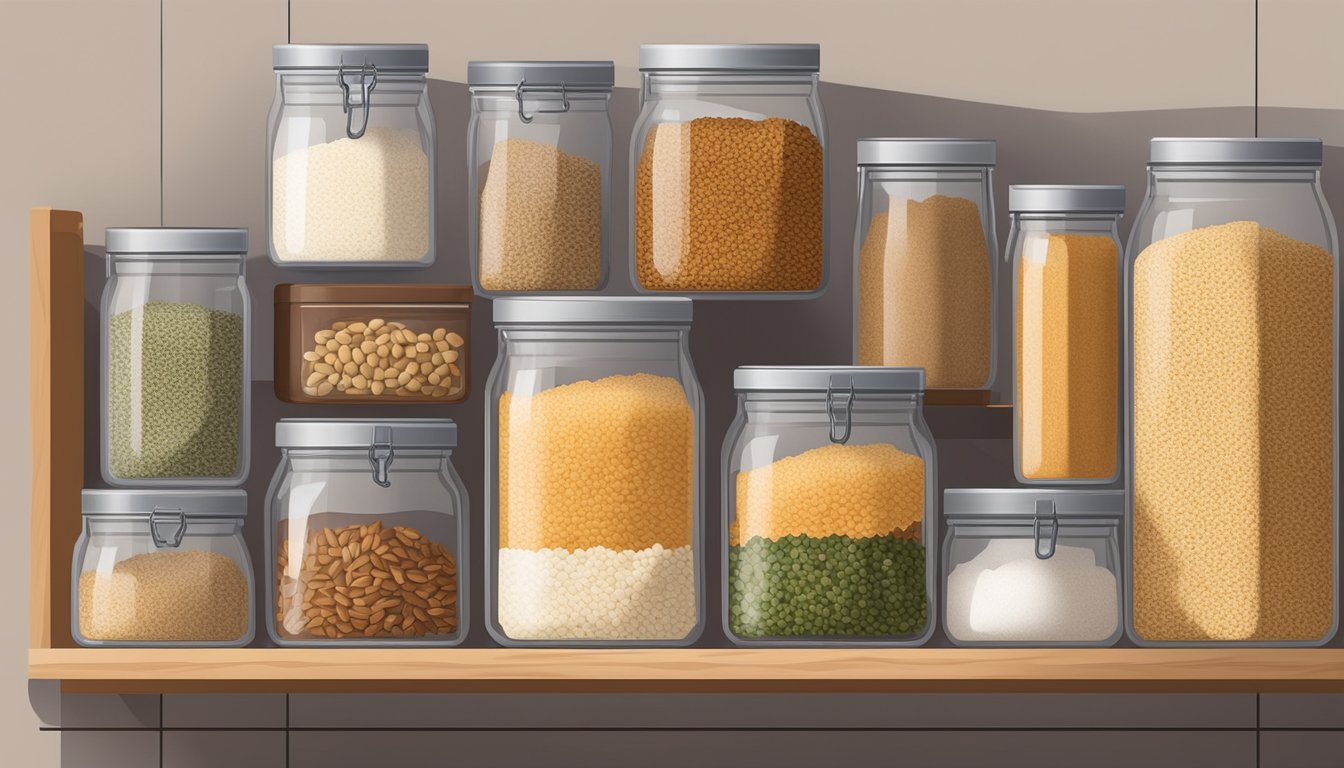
[(691, 669)]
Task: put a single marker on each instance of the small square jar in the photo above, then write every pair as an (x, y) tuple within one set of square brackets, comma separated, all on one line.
[(364, 343)]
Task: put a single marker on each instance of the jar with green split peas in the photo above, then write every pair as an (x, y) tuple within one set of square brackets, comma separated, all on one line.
[(175, 327), (829, 476)]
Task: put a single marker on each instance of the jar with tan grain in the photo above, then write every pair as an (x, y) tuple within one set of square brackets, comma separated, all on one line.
[(366, 534), (926, 268), (1233, 301), (728, 161)]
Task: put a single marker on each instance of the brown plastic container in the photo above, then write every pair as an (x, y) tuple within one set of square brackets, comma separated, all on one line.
[(378, 332)]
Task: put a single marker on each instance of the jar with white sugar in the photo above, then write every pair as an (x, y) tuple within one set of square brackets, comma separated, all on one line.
[(351, 157)]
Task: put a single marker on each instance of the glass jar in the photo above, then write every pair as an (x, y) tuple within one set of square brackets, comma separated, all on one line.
[(925, 254), (1065, 251), (163, 569), (594, 421), (350, 157), (366, 534), (1232, 410), (1032, 567), (175, 339), (727, 172), (539, 175), (829, 483)]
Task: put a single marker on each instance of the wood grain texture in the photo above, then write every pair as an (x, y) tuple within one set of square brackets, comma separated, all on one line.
[(56, 405), (687, 670)]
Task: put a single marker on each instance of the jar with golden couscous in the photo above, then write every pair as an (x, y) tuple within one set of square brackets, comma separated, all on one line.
[(593, 428), (539, 175), (1065, 255), (1232, 296), (926, 264), (727, 172), (366, 535), (162, 568), (829, 493)]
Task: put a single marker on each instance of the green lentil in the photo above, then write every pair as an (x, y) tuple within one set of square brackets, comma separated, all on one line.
[(835, 586), (188, 381)]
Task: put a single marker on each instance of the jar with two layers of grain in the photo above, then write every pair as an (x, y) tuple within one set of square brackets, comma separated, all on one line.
[(926, 263), (350, 157), (176, 323), (1065, 253), (1232, 289), (539, 175), (594, 422), (829, 483), (728, 160), (366, 534)]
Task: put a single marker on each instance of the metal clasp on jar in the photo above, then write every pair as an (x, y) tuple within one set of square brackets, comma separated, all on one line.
[(381, 455), (167, 515), (1045, 517), (840, 407), (523, 88), (368, 79)]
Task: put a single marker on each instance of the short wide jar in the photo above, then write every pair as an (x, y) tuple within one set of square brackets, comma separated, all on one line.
[(829, 483), (163, 569), (1033, 567), (593, 427), (366, 534)]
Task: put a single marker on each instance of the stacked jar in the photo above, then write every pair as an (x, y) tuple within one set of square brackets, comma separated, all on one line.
[(1232, 409), (829, 476), (727, 172), (594, 424), (925, 255)]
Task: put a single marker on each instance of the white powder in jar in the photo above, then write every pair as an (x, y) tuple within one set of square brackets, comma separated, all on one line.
[(597, 593), (364, 199)]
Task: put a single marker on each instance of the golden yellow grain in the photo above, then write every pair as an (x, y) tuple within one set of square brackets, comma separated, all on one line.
[(1068, 333), (191, 595), (924, 291), (1233, 437)]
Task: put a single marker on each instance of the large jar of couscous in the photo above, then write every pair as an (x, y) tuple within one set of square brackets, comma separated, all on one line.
[(829, 485), (1233, 301), (593, 488)]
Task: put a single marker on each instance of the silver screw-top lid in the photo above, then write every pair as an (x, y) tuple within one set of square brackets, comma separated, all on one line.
[(364, 433), (820, 378), (1066, 198), (894, 151), (1022, 502), (1233, 151), (387, 58), (578, 310), (175, 240), (804, 57), (224, 504), (575, 75)]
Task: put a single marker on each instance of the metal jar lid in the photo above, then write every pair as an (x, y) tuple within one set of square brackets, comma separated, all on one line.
[(1022, 502), (817, 378), (222, 504), (175, 241), (895, 151), (408, 58), (582, 310), (1066, 198), (804, 57), (361, 434), (1233, 151), (574, 75)]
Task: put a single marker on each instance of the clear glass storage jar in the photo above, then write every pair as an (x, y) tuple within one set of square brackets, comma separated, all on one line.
[(539, 175), (175, 339), (366, 534), (829, 497), (162, 568), (1065, 252), (1232, 408), (727, 172), (350, 157), (594, 420), (926, 263), (1032, 567)]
